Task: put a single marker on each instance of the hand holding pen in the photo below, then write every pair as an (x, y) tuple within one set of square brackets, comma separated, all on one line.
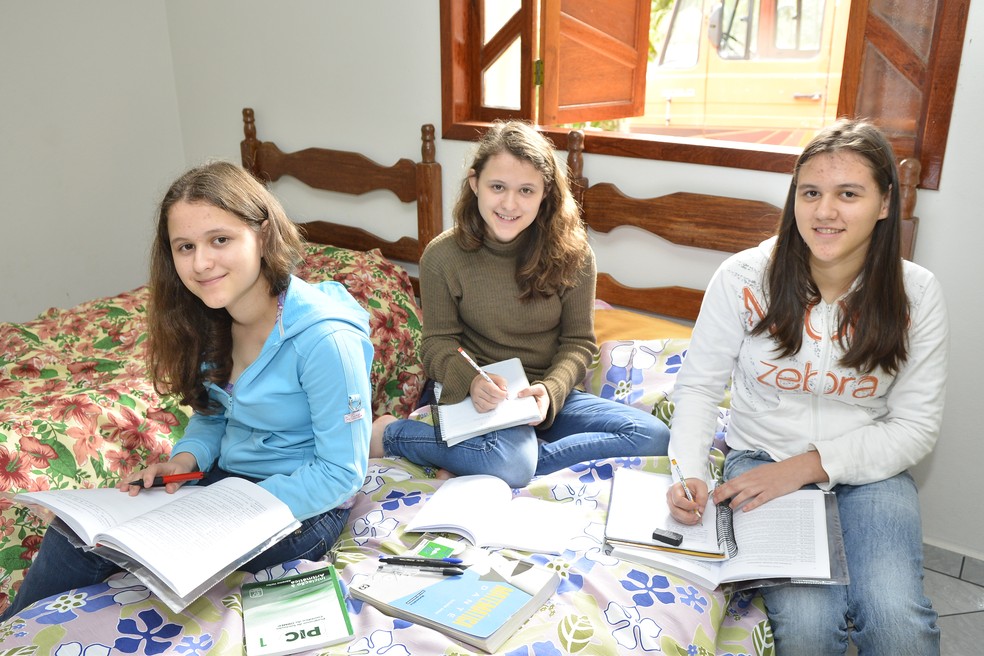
[(485, 397), (686, 489)]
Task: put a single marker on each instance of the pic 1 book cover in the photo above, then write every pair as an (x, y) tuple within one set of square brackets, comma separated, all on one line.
[(482, 606), (794, 537), (482, 509), (143, 533), (460, 421), (296, 613)]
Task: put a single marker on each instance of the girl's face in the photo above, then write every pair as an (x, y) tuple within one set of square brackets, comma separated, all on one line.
[(217, 256), (837, 207), (509, 193)]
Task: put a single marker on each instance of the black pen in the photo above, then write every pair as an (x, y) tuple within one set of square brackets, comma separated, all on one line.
[(419, 562), (411, 569)]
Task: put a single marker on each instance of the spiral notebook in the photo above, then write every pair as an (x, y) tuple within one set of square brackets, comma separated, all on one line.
[(458, 422)]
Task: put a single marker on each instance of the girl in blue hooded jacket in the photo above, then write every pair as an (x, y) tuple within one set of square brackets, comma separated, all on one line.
[(275, 369)]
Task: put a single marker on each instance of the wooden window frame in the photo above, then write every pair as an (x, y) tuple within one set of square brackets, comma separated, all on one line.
[(464, 118)]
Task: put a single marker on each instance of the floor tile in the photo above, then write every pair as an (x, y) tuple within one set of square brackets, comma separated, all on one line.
[(951, 596), (943, 561), (961, 635), (973, 570)]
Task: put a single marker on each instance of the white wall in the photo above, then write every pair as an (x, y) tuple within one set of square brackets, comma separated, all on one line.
[(88, 132), (365, 75)]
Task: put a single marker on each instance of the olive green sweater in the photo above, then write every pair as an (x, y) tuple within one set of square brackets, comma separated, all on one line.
[(471, 299)]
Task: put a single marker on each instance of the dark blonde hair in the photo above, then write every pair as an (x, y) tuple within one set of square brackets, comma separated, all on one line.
[(555, 245), (189, 342), (874, 321)]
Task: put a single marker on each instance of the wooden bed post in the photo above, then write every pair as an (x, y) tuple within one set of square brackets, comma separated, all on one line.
[(430, 219), (575, 165), (909, 172), (250, 145)]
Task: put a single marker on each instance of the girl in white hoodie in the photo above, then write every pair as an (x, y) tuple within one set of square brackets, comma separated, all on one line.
[(836, 350)]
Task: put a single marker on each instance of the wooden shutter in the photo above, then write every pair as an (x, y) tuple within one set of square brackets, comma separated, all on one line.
[(594, 56), (900, 71)]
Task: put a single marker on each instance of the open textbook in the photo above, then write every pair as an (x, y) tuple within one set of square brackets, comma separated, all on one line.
[(179, 545), (794, 537), (483, 510), (460, 421)]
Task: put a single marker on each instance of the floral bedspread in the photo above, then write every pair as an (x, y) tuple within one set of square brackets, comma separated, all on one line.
[(603, 607)]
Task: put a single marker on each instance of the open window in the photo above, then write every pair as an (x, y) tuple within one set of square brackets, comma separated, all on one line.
[(557, 62)]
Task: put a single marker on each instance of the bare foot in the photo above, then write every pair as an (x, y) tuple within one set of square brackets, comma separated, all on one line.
[(442, 474), (376, 440)]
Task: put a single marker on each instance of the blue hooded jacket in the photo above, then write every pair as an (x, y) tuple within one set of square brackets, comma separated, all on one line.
[(299, 416)]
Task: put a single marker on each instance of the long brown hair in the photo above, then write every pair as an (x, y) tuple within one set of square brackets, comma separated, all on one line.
[(189, 342), (556, 244), (874, 318)]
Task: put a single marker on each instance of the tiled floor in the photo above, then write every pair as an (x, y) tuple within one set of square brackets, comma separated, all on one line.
[(955, 584)]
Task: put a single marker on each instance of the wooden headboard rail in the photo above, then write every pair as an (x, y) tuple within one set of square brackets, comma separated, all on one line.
[(696, 220), (354, 173)]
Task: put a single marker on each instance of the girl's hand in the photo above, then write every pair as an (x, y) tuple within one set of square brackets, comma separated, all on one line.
[(539, 393), (770, 481), (681, 508), (486, 396), (182, 463)]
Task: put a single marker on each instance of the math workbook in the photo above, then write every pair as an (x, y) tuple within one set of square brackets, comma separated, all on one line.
[(484, 605)]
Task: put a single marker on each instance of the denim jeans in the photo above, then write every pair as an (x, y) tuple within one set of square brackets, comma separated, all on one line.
[(60, 567), (884, 600), (587, 428)]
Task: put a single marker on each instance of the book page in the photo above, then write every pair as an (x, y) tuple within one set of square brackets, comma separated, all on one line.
[(785, 538), (190, 539), (482, 509), (91, 511)]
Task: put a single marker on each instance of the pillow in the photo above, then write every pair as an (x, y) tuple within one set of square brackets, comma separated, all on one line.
[(383, 288), (613, 324)]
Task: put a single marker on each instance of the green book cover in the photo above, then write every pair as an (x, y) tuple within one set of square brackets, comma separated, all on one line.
[(295, 613)]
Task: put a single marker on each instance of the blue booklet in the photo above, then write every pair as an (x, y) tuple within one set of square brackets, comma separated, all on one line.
[(482, 606)]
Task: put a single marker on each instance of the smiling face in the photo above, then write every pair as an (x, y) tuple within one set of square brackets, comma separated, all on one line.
[(509, 193), (838, 203), (217, 257)]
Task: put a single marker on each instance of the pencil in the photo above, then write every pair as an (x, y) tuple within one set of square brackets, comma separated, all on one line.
[(476, 367), (686, 490)]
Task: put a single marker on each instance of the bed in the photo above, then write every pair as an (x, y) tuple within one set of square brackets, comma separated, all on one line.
[(76, 410)]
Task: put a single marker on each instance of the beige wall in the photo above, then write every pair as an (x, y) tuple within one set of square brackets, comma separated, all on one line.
[(360, 75)]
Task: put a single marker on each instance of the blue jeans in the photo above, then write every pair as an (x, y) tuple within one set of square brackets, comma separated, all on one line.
[(884, 600), (587, 428), (60, 567)]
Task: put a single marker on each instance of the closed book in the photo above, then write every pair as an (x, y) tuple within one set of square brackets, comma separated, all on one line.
[(295, 613), (482, 607)]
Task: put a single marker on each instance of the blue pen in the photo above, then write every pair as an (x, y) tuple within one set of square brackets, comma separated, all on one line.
[(419, 562)]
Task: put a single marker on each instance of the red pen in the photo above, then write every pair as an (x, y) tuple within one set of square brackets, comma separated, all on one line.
[(161, 481)]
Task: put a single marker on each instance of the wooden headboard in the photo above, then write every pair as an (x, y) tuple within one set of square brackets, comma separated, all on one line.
[(690, 219), (354, 173)]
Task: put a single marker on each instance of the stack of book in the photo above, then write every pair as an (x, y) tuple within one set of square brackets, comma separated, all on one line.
[(477, 597)]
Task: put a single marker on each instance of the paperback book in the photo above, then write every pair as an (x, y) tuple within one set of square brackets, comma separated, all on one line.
[(295, 613), (483, 510), (143, 533)]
